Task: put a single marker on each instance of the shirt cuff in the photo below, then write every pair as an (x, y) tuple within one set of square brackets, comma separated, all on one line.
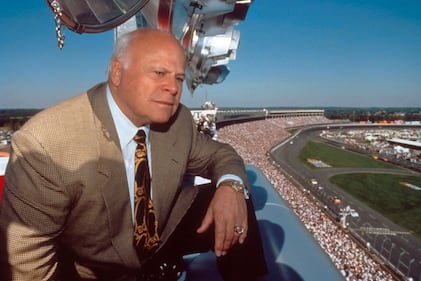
[(236, 178), (229, 177)]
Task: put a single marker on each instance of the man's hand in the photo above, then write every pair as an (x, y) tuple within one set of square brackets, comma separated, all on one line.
[(226, 210)]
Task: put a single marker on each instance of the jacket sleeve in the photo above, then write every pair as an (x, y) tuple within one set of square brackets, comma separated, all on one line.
[(33, 212)]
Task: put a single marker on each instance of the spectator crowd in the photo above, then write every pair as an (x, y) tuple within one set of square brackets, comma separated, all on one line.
[(253, 140)]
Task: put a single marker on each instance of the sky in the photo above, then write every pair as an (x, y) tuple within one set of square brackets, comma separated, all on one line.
[(355, 53)]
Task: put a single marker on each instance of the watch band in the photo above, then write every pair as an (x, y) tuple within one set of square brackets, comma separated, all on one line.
[(237, 186)]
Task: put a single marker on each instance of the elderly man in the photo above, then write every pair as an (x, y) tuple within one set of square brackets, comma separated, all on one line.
[(93, 190)]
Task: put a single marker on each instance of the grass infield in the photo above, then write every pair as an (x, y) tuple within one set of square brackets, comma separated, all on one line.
[(390, 195), (339, 158)]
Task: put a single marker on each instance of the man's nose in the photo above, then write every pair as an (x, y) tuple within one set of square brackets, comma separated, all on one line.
[(171, 85)]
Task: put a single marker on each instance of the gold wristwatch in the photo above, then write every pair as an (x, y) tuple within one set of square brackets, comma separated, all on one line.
[(237, 186)]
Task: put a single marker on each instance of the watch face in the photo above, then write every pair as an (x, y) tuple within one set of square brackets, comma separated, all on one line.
[(237, 186)]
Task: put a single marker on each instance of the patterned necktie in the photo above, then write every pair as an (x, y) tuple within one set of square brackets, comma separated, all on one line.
[(146, 237)]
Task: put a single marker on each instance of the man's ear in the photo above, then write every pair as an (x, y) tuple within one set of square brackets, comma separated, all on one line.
[(115, 74)]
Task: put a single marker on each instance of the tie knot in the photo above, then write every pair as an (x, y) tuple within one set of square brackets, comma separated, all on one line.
[(140, 137)]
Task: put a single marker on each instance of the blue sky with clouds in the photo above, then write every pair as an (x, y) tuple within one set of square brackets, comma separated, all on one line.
[(292, 53)]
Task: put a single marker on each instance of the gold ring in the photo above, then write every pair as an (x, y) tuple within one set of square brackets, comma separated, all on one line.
[(239, 230)]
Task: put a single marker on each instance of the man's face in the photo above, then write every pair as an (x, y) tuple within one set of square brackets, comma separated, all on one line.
[(148, 88)]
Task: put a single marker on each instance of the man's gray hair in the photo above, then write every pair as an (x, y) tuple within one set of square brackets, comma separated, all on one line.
[(120, 49)]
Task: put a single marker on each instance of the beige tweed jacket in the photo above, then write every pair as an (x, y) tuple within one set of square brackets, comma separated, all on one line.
[(66, 204)]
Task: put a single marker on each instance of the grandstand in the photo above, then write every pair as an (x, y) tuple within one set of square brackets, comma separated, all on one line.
[(406, 143), (273, 113), (235, 115)]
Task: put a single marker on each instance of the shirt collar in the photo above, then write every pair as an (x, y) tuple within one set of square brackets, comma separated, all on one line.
[(126, 130)]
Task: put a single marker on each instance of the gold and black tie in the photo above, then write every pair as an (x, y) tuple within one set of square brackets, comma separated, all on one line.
[(146, 237)]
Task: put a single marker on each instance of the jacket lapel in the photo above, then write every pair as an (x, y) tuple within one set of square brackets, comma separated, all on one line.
[(112, 178), (165, 172), (168, 167)]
